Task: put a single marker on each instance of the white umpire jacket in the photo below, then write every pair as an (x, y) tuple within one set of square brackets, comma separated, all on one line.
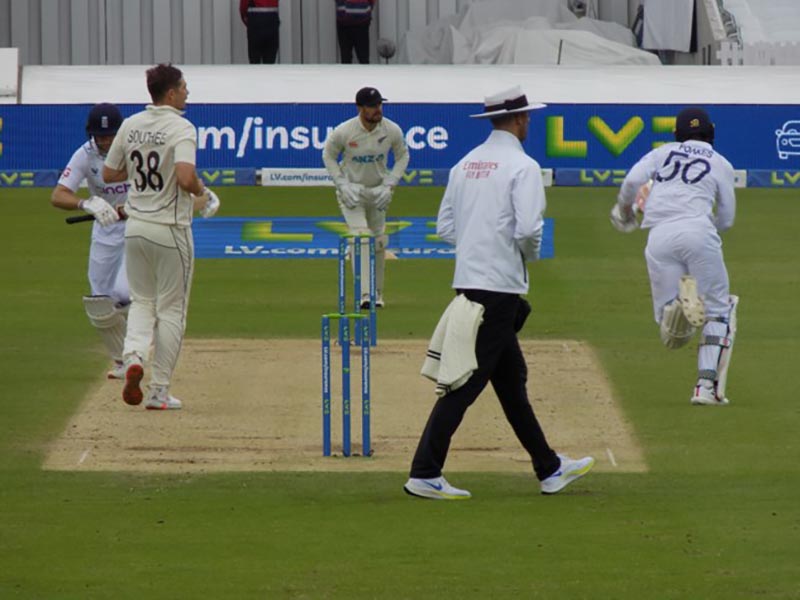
[(492, 212)]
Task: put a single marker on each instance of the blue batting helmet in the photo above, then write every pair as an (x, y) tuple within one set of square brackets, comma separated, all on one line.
[(104, 119), (694, 124)]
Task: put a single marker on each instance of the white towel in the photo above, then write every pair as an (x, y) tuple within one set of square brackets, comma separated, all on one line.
[(451, 359)]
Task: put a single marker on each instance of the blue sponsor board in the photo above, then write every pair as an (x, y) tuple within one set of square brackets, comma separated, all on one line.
[(783, 178), (226, 177), (27, 179), (222, 177), (562, 136), (290, 237), (49, 177), (589, 177)]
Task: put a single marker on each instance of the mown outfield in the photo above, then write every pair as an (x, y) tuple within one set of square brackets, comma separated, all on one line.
[(716, 516)]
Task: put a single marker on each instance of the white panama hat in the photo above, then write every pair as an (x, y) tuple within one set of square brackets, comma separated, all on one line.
[(507, 102)]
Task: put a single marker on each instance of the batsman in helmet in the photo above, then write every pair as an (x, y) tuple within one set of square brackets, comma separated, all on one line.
[(107, 304), (689, 203)]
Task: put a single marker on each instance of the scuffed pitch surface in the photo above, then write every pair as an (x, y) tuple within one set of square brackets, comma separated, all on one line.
[(254, 405)]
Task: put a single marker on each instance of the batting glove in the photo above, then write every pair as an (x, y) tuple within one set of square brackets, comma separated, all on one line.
[(103, 212), (383, 196), (623, 218), (212, 205)]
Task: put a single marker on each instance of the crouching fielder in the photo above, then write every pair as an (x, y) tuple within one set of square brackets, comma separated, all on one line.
[(691, 200)]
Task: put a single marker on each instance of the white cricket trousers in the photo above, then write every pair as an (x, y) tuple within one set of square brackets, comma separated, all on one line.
[(365, 219), (687, 247), (107, 276), (691, 247), (160, 263)]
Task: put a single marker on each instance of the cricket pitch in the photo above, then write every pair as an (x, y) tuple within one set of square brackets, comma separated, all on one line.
[(255, 405)]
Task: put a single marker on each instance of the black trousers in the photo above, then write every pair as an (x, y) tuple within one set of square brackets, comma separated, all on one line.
[(263, 37), (500, 361), (353, 37)]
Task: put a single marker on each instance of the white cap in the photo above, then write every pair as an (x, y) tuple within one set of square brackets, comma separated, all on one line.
[(506, 102)]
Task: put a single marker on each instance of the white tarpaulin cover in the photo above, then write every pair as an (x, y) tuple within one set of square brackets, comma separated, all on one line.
[(766, 20), (667, 25), (541, 32)]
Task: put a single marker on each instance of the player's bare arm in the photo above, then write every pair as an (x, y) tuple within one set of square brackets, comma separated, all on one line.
[(64, 198), (115, 175), (204, 200), (187, 178)]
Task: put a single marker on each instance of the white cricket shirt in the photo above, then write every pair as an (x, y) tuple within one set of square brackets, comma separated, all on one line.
[(364, 153), (492, 211), (689, 178), (149, 144)]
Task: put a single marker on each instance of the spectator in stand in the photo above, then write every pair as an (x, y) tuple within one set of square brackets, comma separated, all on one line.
[(263, 29), (353, 18)]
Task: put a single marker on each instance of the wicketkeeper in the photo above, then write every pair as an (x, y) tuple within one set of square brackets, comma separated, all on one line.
[(364, 183)]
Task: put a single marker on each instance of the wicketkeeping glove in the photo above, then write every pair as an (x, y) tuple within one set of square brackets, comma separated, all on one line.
[(383, 196), (350, 194), (212, 205), (103, 212)]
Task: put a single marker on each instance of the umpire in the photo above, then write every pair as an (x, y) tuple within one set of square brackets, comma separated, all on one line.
[(492, 212)]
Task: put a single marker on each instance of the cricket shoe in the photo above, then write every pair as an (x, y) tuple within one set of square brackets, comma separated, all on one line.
[(132, 392), (692, 305), (436, 488), (705, 395), (160, 399), (568, 471), (365, 302), (117, 371)]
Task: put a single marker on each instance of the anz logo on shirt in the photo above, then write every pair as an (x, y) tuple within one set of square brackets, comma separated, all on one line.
[(366, 159)]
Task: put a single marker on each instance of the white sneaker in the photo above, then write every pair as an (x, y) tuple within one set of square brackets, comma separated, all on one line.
[(436, 489), (705, 395), (117, 371), (568, 471), (693, 308), (160, 399), (365, 302), (379, 303)]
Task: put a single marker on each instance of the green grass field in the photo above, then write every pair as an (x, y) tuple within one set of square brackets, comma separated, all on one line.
[(716, 517)]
